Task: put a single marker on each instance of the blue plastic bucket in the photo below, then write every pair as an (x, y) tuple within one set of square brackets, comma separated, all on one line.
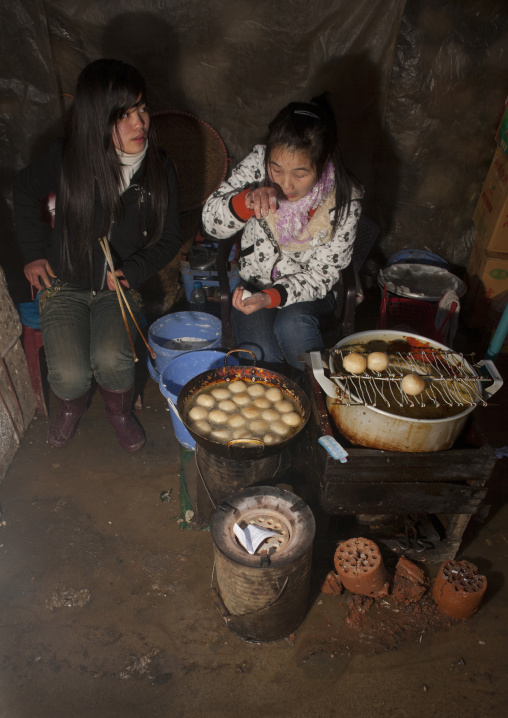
[(178, 372), (181, 332)]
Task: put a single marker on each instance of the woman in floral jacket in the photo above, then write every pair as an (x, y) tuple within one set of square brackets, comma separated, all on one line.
[(299, 211)]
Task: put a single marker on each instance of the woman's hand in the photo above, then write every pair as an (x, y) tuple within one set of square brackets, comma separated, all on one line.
[(253, 302), (262, 200), (37, 271), (111, 281)]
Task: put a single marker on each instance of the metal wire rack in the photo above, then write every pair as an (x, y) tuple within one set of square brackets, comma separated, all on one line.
[(450, 379)]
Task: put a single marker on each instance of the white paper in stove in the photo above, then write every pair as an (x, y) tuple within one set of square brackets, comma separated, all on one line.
[(252, 536)]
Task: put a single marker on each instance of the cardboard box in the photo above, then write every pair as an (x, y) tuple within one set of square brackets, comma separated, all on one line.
[(487, 277), (491, 214)]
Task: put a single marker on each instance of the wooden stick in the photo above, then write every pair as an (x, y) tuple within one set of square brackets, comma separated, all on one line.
[(109, 260), (151, 351)]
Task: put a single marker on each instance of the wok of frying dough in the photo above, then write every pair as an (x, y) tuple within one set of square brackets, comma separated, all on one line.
[(238, 410)]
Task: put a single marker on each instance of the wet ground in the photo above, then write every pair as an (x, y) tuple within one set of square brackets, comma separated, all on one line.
[(105, 606)]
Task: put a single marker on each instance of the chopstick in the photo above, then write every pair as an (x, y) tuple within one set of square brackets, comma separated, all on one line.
[(122, 300), (105, 248)]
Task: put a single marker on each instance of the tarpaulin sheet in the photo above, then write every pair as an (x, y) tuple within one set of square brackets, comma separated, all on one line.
[(417, 87)]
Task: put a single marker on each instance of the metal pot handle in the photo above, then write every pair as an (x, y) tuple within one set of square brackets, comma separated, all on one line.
[(236, 447), (494, 375), (233, 351), (317, 367)]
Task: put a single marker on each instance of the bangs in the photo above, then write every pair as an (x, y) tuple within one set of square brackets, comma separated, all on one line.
[(124, 96)]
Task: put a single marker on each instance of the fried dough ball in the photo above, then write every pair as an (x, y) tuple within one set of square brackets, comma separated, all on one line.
[(236, 421), (270, 415), (198, 412), (274, 394), (237, 387), (377, 361), (250, 412), (242, 434), (270, 439), (279, 428), (284, 407), (261, 402), (202, 427), (220, 393), (221, 435), (412, 384), (354, 363), (256, 390), (227, 405), (291, 419), (242, 399), (205, 400), (259, 426), (217, 417)]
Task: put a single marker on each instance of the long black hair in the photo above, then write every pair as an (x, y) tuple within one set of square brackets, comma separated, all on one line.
[(310, 127), (106, 89)]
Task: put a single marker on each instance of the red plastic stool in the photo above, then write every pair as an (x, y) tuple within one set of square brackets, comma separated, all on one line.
[(32, 344)]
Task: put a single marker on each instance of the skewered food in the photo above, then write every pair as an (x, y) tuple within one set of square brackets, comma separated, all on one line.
[(412, 384), (355, 363), (377, 361)]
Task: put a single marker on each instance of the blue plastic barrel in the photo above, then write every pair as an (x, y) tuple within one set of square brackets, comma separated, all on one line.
[(178, 372), (181, 332), (417, 256)]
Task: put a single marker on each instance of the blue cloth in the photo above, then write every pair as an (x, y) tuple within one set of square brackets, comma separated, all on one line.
[(284, 333), (29, 313)]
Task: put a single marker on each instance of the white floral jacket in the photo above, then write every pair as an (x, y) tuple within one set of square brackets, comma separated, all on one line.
[(300, 276)]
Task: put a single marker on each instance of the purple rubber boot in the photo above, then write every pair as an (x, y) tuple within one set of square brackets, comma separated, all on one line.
[(63, 426), (119, 412)]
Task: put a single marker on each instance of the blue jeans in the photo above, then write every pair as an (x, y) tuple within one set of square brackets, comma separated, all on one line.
[(84, 337), (284, 333)]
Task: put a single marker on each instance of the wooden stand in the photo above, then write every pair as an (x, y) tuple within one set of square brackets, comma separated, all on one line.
[(431, 495)]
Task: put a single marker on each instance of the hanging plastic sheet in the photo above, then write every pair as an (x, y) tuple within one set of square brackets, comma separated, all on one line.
[(418, 88)]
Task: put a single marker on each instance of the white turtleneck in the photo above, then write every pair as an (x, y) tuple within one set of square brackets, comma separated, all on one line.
[(129, 165)]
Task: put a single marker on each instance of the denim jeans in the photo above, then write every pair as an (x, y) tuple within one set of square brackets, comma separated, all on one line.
[(283, 333), (84, 337)]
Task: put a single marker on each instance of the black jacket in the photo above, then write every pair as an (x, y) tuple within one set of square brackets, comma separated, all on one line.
[(39, 240)]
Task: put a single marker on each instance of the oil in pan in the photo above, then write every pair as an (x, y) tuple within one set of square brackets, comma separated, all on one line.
[(263, 596)]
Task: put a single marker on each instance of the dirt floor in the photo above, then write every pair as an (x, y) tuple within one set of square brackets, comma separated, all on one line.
[(105, 605)]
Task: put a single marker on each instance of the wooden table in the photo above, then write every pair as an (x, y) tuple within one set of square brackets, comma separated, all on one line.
[(433, 494)]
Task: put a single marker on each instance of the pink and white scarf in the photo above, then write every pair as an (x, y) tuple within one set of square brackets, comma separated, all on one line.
[(293, 217)]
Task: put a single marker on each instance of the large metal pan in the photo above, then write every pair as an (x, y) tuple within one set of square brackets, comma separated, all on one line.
[(376, 428), (244, 449)]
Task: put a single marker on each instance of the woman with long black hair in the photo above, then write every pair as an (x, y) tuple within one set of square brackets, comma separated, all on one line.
[(106, 179), (298, 209)]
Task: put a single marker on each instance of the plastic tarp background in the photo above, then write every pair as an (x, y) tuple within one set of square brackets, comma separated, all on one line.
[(418, 89)]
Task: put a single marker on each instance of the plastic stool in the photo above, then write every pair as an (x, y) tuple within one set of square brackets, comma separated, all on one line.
[(32, 344)]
